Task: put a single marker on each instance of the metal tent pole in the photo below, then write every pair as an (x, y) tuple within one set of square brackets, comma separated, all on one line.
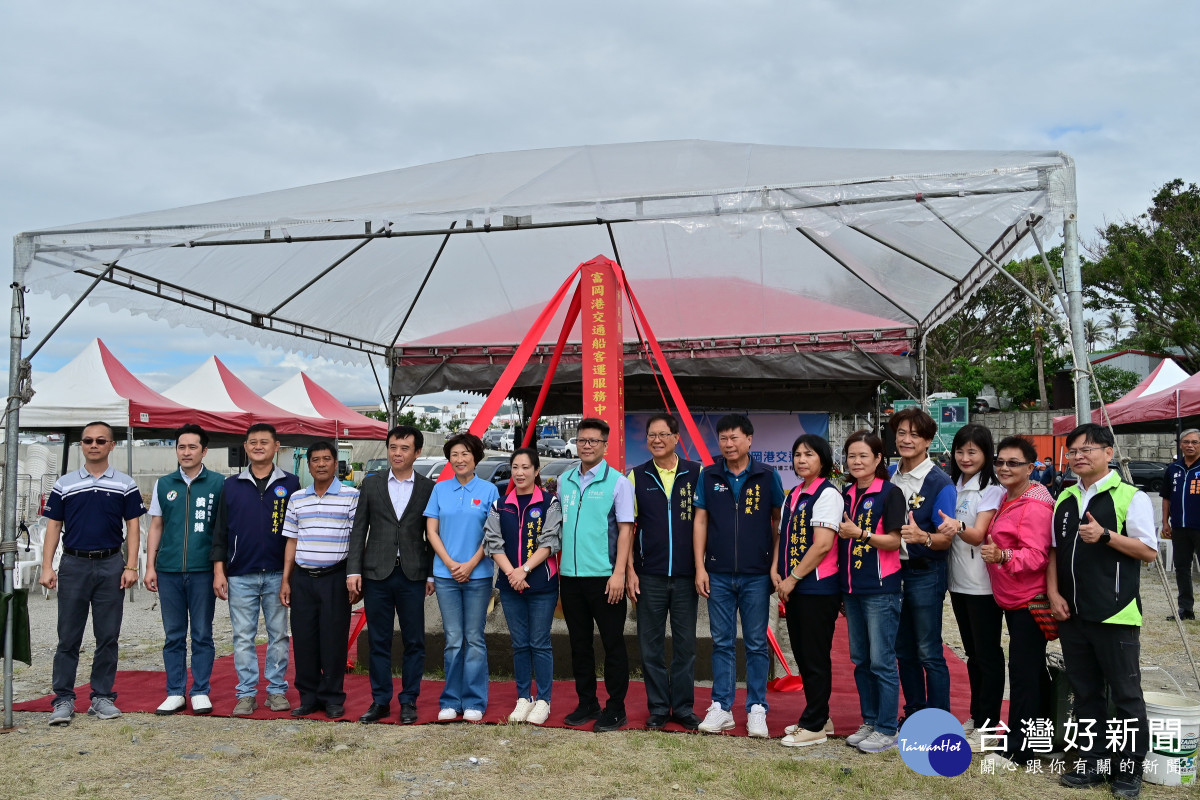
[(1073, 278), (11, 453)]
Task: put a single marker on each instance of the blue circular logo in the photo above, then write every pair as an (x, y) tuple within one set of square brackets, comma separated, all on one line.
[(932, 742), (280, 491)]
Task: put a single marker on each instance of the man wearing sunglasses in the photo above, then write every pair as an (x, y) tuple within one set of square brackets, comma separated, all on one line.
[(94, 509), (1103, 533)]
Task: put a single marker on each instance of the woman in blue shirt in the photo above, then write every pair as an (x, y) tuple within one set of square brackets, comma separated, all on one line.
[(462, 577)]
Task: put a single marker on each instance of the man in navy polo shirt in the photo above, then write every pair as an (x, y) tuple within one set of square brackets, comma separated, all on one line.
[(1181, 516), (738, 507), (87, 508)]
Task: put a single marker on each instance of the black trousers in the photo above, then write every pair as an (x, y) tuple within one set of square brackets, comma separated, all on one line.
[(810, 622), (586, 608), (320, 628), (979, 624), (1100, 656), (660, 596), (1029, 680), (1184, 542)]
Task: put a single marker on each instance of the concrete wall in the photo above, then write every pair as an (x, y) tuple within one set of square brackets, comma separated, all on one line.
[(1147, 446)]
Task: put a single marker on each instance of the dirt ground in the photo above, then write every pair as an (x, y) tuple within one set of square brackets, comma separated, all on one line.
[(144, 756)]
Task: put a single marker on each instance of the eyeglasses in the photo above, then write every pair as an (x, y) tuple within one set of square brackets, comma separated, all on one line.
[(1082, 451), (100, 441), (590, 442), (653, 436), (1190, 442), (1011, 463)]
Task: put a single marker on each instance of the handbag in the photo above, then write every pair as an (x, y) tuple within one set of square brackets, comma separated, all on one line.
[(1039, 609)]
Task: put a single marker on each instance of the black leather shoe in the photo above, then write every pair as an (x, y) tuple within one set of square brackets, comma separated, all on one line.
[(656, 722), (304, 709), (582, 714), (375, 713), (1081, 780), (408, 713), (610, 719), (334, 711), (1127, 787), (689, 721), (1182, 615)]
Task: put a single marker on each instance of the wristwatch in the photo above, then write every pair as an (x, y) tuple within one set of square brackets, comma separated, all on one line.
[(1105, 537), (526, 568)]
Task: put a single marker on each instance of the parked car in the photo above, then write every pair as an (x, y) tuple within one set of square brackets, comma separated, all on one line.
[(555, 448), (492, 438), (572, 448), (374, 465), (430, 466), (506, 443), (498, 472), (553, 470), (1147, 475)]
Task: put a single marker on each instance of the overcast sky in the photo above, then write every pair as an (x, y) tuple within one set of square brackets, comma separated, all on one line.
[(119, 107)]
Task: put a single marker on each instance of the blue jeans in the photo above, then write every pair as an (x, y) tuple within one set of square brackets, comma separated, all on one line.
[(924, 675), (187, 601), (731, 594), (529, 617), (464, 613), (247, 595), (871, 622)]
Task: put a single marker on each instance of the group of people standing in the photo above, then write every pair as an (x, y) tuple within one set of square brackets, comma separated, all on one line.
[(884, 550)]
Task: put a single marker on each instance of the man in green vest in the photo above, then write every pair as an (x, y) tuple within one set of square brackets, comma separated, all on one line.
[(597, 530), (1103, 533), (182, 506)]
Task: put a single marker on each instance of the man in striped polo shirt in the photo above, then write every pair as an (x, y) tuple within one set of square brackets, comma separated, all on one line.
[(317, 527), (87, 508)]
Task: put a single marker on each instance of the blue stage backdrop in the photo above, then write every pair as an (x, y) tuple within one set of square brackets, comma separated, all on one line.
[(774, 432)]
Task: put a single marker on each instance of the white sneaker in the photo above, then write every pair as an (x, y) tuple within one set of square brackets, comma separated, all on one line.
[(172, 705), (969, 726), (1000, 763), (877, 742), (521, 712), (716, 720), (539, 714), (862, 733), (756, 723), (828, 726), (473, 715), (447, 715), (201, 704)]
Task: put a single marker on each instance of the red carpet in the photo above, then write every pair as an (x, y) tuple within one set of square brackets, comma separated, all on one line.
[(142, 691)]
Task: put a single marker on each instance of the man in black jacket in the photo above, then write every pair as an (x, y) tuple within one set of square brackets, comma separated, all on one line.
[(390, 567)]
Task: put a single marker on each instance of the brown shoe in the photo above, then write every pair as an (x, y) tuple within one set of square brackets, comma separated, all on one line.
[(277, 702), (245, 707)]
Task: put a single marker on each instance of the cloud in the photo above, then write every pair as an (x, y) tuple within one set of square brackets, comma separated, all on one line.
[(119, 107)]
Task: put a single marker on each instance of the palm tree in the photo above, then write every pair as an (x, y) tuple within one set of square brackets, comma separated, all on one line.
[(1115, 322), (1092, 333)]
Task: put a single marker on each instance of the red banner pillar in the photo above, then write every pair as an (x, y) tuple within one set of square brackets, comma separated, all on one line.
[(603, 353)]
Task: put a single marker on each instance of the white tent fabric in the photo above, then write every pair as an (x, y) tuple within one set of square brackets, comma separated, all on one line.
[(445, 254), (96, 387), (303, 396)]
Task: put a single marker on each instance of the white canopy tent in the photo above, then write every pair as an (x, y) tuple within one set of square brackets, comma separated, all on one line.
[(437, 265)]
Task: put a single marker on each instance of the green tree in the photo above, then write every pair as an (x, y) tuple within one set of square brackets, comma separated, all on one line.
[(1093, 332), (1115, 322), (1150, 267), (1001, 337), (1114, 383)]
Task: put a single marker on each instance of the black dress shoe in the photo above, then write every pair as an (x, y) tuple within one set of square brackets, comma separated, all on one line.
[(375, 713), (408, 713), (582, 714), (610, 719), (689, 721), (656, 722), (304, 709), (1081, 780), (334, 711)]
